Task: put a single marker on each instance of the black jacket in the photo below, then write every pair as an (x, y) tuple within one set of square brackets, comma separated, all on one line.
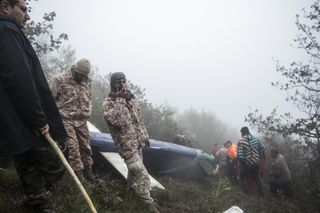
[(26, 103)]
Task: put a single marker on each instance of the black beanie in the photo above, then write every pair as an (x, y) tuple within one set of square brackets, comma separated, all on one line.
[(114, 77)]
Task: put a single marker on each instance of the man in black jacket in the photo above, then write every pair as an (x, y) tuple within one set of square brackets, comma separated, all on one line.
[(27, 109)]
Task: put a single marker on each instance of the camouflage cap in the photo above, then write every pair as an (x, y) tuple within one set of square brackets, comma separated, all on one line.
[(83, 67)]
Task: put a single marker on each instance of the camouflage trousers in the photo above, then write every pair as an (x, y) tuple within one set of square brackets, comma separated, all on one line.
[(79, 147), (38, 168), (138, 177)]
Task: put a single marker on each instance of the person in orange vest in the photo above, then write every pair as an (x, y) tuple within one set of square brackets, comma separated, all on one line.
[(231, 160)]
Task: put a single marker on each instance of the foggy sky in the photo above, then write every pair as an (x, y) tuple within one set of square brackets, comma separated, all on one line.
[(206, 54)]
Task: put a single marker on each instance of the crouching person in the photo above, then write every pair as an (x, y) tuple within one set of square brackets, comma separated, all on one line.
[(27, 110), (122, 115)]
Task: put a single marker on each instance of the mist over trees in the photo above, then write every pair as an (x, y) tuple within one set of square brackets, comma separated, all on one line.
[(206, 129), (299, 138), (301, 85), (54, 57), (163, 122), (40, 34)]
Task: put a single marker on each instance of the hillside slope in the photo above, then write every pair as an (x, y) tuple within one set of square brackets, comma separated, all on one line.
[(215, 194)]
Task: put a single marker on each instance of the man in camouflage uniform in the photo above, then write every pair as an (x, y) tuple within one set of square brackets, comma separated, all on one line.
[(122, 114), (72, 93)]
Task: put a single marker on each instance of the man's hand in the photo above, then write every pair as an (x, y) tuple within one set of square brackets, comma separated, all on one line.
[(44, 130), (121, 91)]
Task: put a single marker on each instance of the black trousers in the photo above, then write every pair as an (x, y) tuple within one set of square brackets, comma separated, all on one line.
[(231, 167), (280, 189), (251, 171), (38, 168)]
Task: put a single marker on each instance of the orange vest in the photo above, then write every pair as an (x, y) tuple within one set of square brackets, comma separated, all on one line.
[(232, 151)]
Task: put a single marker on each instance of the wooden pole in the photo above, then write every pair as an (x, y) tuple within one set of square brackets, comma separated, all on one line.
[(70, 170)]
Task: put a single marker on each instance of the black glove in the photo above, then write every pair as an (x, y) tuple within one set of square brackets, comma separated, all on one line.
[(127, 94)]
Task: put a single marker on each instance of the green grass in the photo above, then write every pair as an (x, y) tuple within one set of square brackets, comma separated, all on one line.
[(214, 195)]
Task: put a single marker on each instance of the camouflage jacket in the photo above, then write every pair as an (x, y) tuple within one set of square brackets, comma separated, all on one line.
[(73, 99), (126, 125)]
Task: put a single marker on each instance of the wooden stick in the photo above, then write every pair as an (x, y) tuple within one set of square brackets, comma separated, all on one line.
[(70, 170)]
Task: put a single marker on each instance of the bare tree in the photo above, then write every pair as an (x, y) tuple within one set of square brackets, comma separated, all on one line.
[(302, 85)]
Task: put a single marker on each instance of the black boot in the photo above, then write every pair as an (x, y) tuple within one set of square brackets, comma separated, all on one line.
[(153, 208), (90, 176), (45, 207), (40, 206)]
